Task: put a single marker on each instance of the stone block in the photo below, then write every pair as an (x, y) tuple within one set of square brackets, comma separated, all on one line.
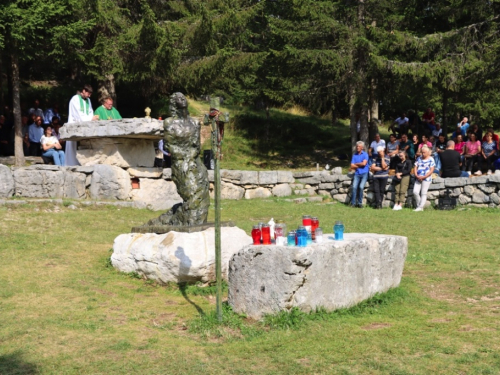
[(282, 190), (231, 191), (300, 192), (176, 257), (324, 192), (43, 167), (456, 181), (311, 191), (82, 169), (210, 175), (330, 275), (167, 174), (464, 199), (329, 178), (249, 177), (487, 188), (302, 174), (7, 187), (337, 170), (285, 177), (342, 198), (138, 128), (495, 177), (327, 186), (268, 177), (74, 185), (478, 205), (231, 175), (120, 152), (315, 199), (494, 198), (347, 183), (156, 194), (480, 197), (110, 182), (143, 172), (314, 180), (258, 193), (299, 200), (478, 180), (469, 190), (438, 186), (296, 186)]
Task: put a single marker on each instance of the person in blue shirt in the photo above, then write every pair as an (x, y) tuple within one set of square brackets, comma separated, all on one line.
[(35, 132), (359, 164)]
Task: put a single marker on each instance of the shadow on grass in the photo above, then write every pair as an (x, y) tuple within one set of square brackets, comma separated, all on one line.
[(13, 364), (183, 287)]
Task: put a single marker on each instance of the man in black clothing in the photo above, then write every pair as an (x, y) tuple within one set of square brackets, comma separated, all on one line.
[(450, 162)]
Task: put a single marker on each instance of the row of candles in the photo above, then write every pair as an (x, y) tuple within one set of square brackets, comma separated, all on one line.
[(307, 233)]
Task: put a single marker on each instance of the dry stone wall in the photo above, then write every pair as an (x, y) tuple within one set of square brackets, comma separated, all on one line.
[(157, 191)]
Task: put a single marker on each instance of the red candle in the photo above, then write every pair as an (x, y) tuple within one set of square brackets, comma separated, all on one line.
[(314, 225), (266, 234), (256, 235)]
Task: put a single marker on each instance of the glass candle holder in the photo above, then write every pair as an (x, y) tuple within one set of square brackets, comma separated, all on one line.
[(314, 225), (266, 234), (338, 229), (318, 235), (291, 238), (256, 235)]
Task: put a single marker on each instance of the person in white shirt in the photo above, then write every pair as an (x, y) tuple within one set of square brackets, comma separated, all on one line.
[(378, 142), (51, 147), (400, 125), (80, 110)]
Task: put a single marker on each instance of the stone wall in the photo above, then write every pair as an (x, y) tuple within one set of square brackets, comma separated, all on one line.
[(158, 192)]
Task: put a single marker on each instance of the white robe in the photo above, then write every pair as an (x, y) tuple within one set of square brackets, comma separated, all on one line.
[(76, 115)]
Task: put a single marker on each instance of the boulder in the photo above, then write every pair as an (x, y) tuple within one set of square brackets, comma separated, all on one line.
[(331, 275), (230, 191), (487, 188), (156, 194), (480, 197), (6, 182), (143, 172), (120, 152), (257, 193), (342, 198), (282, 190), (464, 199), (469, 190), (167, 174), (337, 170), (138, 128), (494, 198), (327, 186), (177, 257), (249, 178), (456, 181), (110, 182)]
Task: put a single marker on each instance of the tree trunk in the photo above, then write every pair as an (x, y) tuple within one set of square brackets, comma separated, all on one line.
[(106, 87), (373, 112), (16, 106), (444, 125)]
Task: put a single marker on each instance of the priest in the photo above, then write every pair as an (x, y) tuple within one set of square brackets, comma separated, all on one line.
[(106, 111), (80, 110)]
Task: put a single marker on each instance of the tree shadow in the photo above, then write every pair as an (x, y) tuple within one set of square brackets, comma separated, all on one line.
[(14, 364), (184, 266)]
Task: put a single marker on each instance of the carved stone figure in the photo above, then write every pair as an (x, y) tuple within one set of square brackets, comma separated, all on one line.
[(182, 135)]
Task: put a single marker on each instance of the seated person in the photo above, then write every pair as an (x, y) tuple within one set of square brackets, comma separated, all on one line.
[(407, 146), (378, 142), (400, 125), (458, 131), (451, 162), (488, 155), (56, 125), (441, 144), (438, 131), (428, 119), (460, 145), (464, 125), (425, 142), (495, 137), (51, 147), (471, 153), (477, 131), (392, 150)]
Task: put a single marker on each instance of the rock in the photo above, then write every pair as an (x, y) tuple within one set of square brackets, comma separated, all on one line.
[(249, 177), (282, 190), (176, 257), (285, 177), (299, 200), (49, 183), (347, 183), (268, 177), (456, 181), (330, 275), (71, 207), (327, 186), (478, 205), (311, 191), (167, 174), (494, 198), (83, 169), (487, 188), (257, 193), (333, 192), (438, 180), (469, 190), (6, 182), (138, 128), (495, 177), (329, 178), (315, 199), (302, 174), (432, 194), (480, 197), (314, 180), (342, 198), (464, 199), (436, 186), (110, 182), (156, 194), (210, 175), (478, 180), (296, 186), (300, 192), (455, 192), (324, 192), (120, 152), (143, 172), (230, 191), (337, 170)]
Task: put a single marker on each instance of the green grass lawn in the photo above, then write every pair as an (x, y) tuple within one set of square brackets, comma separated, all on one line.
[(64, 310)]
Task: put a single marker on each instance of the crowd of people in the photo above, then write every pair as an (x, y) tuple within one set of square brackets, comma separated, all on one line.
[(466, 153), (40, 128)]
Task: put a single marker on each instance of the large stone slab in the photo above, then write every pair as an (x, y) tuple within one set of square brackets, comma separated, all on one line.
[(110, 182), (120, 152), (125, 128), (331, 275), (6, 182), (177, 257), (55, 182), (156, 194)]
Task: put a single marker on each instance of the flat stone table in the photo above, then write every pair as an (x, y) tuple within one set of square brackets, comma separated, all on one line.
[(266, 279)]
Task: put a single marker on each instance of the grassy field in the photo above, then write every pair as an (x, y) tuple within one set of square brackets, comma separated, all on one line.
[(64, 310)]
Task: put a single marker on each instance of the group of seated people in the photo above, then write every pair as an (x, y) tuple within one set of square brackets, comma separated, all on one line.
[(423, 157)]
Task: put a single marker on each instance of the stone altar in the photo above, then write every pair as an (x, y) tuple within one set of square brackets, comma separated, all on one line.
[(266, 279)]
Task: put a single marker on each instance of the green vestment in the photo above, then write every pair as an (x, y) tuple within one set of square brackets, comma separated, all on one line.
[(107, 114)]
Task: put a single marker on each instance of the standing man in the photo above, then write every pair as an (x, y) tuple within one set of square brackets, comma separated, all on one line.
[(35, 132), (106, 111), (359, 164), (450, 162), (80, 110)]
